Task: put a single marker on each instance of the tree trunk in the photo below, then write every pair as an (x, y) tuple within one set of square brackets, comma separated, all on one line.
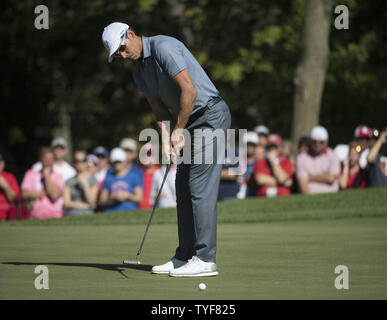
[(178, 12), (64, 129), (310, 73)]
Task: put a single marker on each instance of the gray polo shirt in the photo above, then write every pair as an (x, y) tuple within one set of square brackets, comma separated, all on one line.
[(163, 58)]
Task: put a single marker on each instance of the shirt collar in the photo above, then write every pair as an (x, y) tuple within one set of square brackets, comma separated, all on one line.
[(146, 52)]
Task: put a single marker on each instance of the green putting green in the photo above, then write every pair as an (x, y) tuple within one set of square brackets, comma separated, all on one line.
[(282, 258)]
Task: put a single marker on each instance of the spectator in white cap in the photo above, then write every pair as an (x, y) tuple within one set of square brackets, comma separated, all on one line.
[(129, 145), (123, 189), (318, 169), (59, 148), (248, 185), (262, 132)]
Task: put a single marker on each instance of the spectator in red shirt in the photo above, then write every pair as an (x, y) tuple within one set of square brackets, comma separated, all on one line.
[(352, 175), (274, 172), (9, 191), (149, 167)]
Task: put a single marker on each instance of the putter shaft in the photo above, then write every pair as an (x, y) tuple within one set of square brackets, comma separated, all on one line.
[(137, 261)]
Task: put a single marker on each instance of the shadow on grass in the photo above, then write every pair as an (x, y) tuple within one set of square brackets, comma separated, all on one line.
[(110, 267)]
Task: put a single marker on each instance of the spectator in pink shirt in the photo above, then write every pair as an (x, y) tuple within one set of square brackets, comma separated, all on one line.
[(318, 169), (44, 188)]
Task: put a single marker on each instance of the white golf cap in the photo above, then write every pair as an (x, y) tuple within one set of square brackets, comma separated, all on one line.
[(128, 144), (111, 37), (117, 154), (59, 142), (342, 151), (319, 133), (250, 137), (262, 130)]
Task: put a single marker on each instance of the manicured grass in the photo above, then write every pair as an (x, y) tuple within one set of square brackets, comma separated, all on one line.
[(283, 248), (280, 260)]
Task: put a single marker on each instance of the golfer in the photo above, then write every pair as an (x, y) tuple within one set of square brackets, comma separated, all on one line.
[(178, 90)]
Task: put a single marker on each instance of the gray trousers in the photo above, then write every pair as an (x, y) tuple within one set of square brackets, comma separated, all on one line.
[(197, 187)]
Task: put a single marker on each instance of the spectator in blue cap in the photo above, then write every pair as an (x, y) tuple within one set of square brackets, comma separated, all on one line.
[(103, 162)]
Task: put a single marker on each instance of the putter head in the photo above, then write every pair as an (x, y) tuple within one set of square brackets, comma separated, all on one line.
[(126, 261)]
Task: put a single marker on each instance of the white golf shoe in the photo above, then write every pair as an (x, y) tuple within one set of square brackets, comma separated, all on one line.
[(195, 268), (169, 266)]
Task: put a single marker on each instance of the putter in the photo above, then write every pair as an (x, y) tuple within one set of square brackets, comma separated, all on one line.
[(138, 261)]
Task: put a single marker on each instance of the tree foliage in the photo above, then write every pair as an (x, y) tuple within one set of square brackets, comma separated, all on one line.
[(249, 48)]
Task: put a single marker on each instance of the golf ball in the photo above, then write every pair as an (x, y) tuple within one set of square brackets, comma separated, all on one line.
[(202, 286)]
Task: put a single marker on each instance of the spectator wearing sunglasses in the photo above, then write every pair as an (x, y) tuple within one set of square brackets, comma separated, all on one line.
[(318, 169), (81, 191)]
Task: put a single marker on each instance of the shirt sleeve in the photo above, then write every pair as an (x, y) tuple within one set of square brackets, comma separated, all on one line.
[(28, 182), (69, 182), (14, 185), (93, 181), (287, 166), (334, 167), (59, 181), (260, 167), (301, 171), (170, 55)]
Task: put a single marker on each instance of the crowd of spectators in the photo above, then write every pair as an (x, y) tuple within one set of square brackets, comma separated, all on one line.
[(99, 181), (116, 181), (272, 168)]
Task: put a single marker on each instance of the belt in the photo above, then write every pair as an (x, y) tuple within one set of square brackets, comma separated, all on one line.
[(201, 111)]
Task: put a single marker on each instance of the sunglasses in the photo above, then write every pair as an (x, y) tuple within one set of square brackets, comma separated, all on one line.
[(318, 141), (121, 47), (79, 160)]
